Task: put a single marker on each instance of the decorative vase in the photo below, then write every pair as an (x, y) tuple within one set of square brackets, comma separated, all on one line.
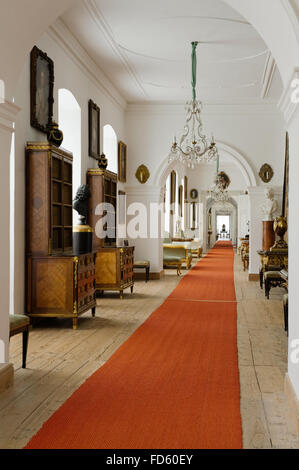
[(280, 228), (55, 135)]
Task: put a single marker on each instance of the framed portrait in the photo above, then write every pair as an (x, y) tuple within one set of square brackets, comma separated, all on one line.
[(285, 201), (186, 188), (41, 90), (172, 188), (93, 130), (122, 162)]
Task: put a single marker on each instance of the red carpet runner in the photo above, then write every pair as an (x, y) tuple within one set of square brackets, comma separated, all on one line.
[(174, 384)]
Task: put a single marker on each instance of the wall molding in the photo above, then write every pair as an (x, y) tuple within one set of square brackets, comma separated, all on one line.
[(253, 108), (268, 75), (63, 37), (144, 191), (97, 16), (285, 104), (8, 113), (293, 405)]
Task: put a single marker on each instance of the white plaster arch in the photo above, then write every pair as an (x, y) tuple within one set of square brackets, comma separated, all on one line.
[(241, 162), (164, 169), (274, 21)]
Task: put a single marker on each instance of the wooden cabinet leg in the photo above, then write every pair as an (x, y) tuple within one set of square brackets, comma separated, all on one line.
[(75, 323), (121, 294), (147, 274), (93, 311), (132, 289)]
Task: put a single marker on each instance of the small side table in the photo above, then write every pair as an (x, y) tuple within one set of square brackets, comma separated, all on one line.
[(143, 265)]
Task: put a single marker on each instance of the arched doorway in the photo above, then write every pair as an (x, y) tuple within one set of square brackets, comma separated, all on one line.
[(217, 210)]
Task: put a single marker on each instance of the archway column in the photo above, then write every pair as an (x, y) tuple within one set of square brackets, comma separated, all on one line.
[(8, 112)]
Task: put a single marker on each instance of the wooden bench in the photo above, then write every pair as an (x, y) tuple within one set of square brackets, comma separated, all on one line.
[(143, 265), (20, 324)]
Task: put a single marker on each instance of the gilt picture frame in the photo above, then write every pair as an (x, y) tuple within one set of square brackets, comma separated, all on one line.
[(285, 201), (41, 90), (94, 117), (122, 162)]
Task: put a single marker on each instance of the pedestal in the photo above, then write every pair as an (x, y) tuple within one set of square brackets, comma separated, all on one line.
[(268, 235), (82, 239)]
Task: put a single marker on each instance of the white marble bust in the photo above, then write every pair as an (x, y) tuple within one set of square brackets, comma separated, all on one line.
[(270, 206)]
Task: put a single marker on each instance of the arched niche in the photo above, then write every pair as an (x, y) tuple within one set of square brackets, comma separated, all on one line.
[(110, 147), (69, 118)]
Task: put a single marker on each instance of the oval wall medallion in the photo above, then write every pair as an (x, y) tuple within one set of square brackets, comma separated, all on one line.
[(266, 173), (142, 174)]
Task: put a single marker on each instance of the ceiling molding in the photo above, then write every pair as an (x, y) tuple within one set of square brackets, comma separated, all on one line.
[(292, 13), (285, 104), (96, 15), (60, 33), (248, 107), (268, 74)]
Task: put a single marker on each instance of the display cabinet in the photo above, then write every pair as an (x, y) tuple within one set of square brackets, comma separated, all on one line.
[(48, 199), (103, 187), (114, 269), (61, 286), (114, 265)]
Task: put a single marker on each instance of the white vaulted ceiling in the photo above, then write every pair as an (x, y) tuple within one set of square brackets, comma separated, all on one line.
[(143, 47)]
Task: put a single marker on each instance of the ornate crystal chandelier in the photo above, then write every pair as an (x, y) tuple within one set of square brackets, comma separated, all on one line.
[(194, 147)]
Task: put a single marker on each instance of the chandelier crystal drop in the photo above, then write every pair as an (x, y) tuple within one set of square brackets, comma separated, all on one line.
[(193, 147)]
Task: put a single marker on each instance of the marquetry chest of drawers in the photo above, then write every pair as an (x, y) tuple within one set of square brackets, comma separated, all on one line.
[(61, 286), (114, 269)]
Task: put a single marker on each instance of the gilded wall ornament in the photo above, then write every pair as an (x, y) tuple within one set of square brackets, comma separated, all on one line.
[(142, 174), (266, 173)]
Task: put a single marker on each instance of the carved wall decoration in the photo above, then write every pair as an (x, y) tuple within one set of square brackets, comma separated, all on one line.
[(266, 173), (142, 174)]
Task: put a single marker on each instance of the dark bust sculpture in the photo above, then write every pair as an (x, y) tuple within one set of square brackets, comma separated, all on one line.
[(80, 203)]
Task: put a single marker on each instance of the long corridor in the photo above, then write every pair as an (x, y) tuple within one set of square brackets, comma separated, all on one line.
[(59, 361)]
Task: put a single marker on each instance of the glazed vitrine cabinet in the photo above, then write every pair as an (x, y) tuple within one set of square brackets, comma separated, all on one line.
[(114, 265), (103, 187), (49, 200), (59, 284)]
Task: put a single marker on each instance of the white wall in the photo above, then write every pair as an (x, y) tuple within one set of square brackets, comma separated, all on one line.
[(244, 216), (256, 131), (69, 75)]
